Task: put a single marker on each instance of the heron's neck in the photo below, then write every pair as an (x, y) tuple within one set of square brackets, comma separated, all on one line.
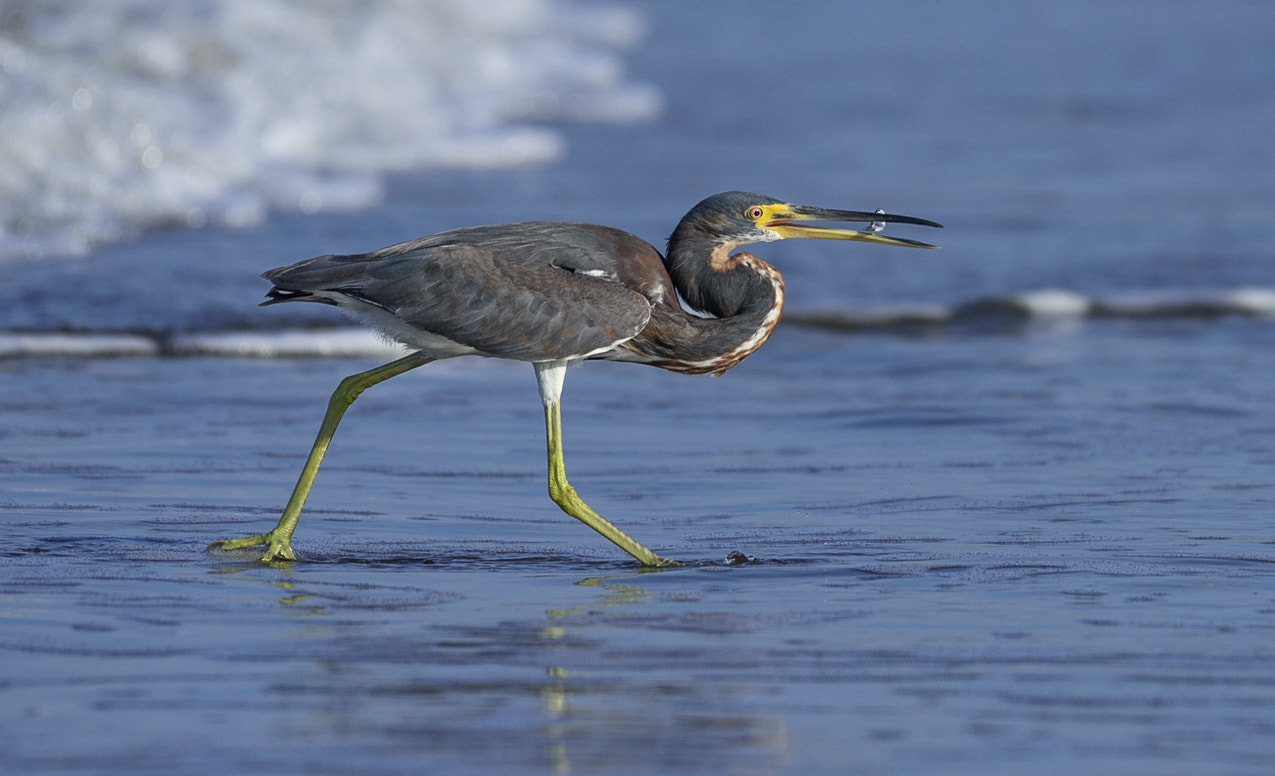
[(714, 281), (744, 294)]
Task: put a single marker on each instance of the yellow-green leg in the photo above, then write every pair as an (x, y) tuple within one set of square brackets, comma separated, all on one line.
[(278, 541), (566, 497)]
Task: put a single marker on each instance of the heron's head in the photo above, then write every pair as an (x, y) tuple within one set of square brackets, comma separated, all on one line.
[(736, 218)]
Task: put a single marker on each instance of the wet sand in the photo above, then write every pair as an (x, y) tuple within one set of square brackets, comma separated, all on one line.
[(1044, 551)]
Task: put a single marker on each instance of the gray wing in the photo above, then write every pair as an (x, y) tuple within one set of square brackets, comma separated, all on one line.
[(531, 292)]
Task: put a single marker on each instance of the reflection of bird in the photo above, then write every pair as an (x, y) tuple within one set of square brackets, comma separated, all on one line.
[(557, 293)]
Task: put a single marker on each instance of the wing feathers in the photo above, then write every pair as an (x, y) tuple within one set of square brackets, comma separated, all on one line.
[(528, 292)]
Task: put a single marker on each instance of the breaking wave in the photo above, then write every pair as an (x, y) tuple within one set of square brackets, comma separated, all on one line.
[(122, 115)]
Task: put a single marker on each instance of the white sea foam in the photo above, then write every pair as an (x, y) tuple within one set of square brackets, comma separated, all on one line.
[(76, 345), (1052, 306), (352, 342), (124, 114), (1259, 302), (1055, 303)]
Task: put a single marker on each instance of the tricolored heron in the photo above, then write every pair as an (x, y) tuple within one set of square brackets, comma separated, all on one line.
[(557, 293)]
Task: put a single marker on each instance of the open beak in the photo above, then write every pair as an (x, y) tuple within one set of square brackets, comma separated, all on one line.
[(792, 221)]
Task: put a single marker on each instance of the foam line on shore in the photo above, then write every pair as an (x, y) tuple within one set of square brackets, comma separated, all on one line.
[(989, 315)]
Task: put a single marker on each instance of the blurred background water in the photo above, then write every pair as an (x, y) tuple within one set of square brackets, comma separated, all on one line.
[(1011, 499), (1115, 152)]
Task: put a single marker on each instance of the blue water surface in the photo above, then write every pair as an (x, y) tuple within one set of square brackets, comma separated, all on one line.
[(1001, 541)]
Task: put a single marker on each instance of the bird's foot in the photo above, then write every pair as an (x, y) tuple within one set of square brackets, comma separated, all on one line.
[(278, 545)]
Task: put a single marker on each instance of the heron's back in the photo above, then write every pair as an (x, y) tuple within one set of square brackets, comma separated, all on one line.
[(533, 291)]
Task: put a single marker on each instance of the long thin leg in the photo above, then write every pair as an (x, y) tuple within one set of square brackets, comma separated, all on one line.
[(566, 497), (278, 541)]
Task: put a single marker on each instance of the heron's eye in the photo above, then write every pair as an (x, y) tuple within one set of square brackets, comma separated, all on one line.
[(754, 213)]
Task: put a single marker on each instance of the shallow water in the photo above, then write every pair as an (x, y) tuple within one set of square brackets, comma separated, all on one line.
[(1046, 551), (1007, 503)]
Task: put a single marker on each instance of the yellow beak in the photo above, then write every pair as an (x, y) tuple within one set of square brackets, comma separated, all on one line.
[(787, 221)]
